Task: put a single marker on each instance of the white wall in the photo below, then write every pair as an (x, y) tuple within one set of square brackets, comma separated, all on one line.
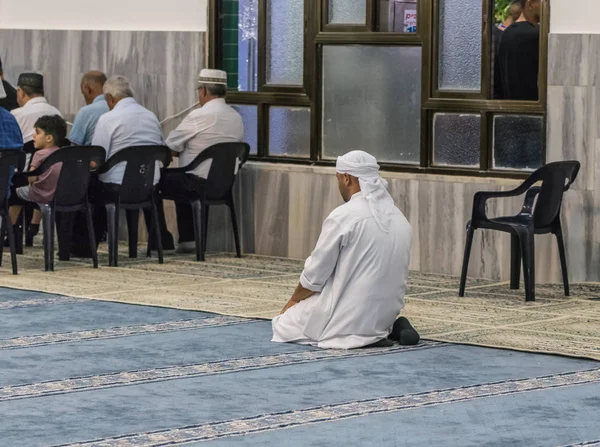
[(122, 15), (574, 16)]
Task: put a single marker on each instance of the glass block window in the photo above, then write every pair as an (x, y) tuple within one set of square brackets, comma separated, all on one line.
[(456, 139), (460, 45), (377, 110), (398, 16), (518, 141), (289, 131), (250, 118), (285, 42), (349, 12)]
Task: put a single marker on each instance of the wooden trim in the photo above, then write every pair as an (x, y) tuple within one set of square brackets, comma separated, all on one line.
[(411, 169), (375, 38), (215, 34), (262, 44)]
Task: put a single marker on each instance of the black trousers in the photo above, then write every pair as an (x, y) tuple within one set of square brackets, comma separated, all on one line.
[(181, 184), (72, 227)]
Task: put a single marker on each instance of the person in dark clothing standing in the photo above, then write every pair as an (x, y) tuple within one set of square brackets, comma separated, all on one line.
[(8, 94), (518, 55)]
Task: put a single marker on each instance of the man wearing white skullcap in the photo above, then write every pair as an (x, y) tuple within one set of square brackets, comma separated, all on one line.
[(352, 288), (215, 122)]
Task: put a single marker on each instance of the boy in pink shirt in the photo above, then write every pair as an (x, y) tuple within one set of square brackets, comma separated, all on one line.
[(50, 132)]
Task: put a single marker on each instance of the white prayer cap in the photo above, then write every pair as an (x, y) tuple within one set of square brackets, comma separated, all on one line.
[(364, 166), (208, 76)]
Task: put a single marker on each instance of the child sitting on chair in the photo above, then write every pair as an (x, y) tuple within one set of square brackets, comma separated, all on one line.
[(50, 131)]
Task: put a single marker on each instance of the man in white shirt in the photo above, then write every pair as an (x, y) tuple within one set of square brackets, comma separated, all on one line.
[(216, 122), (352, 288), (33, 105), (127, 124)]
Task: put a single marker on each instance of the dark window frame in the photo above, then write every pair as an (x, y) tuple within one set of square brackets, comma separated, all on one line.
[(318, 33)]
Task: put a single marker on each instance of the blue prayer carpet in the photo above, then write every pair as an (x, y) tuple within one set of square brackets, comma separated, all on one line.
[(82, 373)]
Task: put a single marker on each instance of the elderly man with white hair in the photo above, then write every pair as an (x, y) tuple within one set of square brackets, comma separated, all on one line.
[(127, 124), (215, 122), (352, 288)]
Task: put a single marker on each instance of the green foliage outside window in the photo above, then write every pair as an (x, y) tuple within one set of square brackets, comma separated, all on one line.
[(501, 10)]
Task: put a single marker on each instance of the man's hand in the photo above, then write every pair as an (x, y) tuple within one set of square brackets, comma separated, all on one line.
[(299, 295), (289, 305)]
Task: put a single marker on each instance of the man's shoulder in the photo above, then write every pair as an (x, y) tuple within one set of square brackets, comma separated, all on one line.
[(18, 112), (351, 212)]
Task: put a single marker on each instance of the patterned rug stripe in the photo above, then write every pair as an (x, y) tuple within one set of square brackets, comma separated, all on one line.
[(337, 412), (117, 332), (127, 378)]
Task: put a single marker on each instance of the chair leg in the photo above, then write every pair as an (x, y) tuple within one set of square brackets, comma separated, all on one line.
[(48, 236), (467, 255), (3, 232), (19, 236), (133, 219), (12, 242), (528, 251), (91, 233), (156, 232), (112, 216), (515, 262), (563, 259), (206, 211), (199, 224), (196, 216), (236, 233)]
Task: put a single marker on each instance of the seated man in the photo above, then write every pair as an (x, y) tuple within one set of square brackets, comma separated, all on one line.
[(10, 133), (216, 122), (85, 122), (33, 105), (352, 287), (127, 124), (81, 134)]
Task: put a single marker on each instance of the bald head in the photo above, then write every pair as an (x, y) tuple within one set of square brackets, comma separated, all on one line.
[(92, 84)]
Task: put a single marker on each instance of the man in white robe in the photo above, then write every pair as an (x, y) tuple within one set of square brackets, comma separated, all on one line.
[(352, 288)]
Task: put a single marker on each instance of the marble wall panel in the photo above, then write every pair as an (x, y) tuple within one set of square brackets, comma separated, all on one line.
[(162, 66), (572, 129), (573, 59)]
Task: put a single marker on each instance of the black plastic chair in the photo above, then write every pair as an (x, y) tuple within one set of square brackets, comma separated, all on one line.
[(10, 160), (71, 193), (137, 192), (541, 217), (28, 210), (216, 189)]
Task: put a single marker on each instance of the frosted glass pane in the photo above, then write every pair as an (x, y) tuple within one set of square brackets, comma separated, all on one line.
[(518, 141), (289, 131), (250, 118), (460, 45), (348, 11), (285, 42), (456, 139), (372, 101), (247, 56)]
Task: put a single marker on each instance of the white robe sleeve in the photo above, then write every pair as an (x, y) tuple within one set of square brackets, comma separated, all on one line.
[(188, 129), (321, 263)]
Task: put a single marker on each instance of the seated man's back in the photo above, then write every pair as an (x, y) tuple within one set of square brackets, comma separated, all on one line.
[(128, 124), (355, 278)]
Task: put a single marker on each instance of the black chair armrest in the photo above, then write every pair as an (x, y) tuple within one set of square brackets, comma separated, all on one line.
[(122, 156), (482, 197), (530, 200)]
